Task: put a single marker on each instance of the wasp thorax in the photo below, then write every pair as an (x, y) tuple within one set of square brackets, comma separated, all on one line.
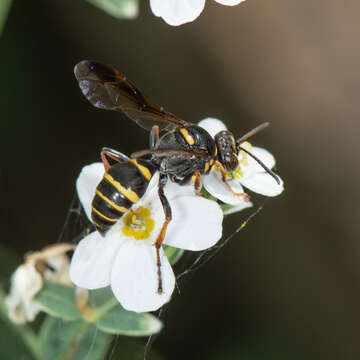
[(227, 151)]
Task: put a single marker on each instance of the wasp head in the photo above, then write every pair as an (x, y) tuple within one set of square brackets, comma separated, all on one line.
[(227, 150)]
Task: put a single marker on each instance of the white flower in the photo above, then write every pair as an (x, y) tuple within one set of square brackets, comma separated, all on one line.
[(52, 264), (249, 173), (178, 12), (125, 258)]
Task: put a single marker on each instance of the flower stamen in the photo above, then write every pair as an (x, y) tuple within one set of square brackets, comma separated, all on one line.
[(138, 224)]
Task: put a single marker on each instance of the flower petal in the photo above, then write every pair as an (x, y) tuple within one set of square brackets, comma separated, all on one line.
[(217, 188), (236, 208), (229, 2), (212, 125), (263, 155), (26, 282), (263, 183), (174, 190), (134, 277), (150, 193), (177, 12), (91, 263), (196, 223), (86, 184), (20, 310), (51, 251)]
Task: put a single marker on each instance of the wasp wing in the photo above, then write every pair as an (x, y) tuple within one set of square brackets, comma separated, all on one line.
[(106, 88)]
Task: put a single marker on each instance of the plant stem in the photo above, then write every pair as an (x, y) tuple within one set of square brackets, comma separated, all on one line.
[(76, 341), (105, 308)]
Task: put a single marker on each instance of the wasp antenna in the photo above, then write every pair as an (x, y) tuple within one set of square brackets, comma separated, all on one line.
[(253, 132), (270, 172)]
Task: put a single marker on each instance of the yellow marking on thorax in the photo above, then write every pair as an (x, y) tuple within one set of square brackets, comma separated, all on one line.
[(117, 207), (216, 151), (189, 139), (103, 216), (192, 179), (144, 170), (129, 194)]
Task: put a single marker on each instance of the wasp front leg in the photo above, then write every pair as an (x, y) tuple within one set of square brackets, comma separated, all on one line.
[(223, 177), (113, 154), (161, 236), (196, 180)]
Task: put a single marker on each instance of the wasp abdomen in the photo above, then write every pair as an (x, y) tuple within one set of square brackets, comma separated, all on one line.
[(121, 187)]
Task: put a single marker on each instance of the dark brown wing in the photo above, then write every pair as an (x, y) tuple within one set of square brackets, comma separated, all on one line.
[(107, 88)]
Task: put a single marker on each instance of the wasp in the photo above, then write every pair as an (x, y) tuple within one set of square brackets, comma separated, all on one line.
[(183, 153)]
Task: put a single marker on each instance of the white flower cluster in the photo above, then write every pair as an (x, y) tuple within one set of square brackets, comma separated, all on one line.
[(178, 12), (125, 258), (128, 264), (52, 264)]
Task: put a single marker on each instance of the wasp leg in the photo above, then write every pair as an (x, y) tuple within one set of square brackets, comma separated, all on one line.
[(113, 154), (196, 179), (161, 236), (223, 177), (154, 136)]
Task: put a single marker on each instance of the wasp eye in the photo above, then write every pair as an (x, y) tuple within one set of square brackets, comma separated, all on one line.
[(231, 162)]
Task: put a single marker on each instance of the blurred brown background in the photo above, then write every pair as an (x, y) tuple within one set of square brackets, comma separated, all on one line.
[(288, 286)]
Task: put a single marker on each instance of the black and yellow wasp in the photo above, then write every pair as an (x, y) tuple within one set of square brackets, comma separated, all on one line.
[(183, 153)]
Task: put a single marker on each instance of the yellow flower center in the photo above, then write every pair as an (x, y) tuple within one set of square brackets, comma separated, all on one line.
[(243, 161), (138, 224)]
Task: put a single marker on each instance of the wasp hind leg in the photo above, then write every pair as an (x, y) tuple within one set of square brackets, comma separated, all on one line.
[(161, 236), (113, 154), (223, 177)]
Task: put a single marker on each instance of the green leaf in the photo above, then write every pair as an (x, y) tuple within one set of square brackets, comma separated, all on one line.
[(227, 208), (12, 345), (120, 321), (101, 296), (120, 9), (58, 300), (207, 195), (75, 340), (232, 209), (112, 318), (16, 341), (173, 254), (93, 345), (56, 336), (4, 12)]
